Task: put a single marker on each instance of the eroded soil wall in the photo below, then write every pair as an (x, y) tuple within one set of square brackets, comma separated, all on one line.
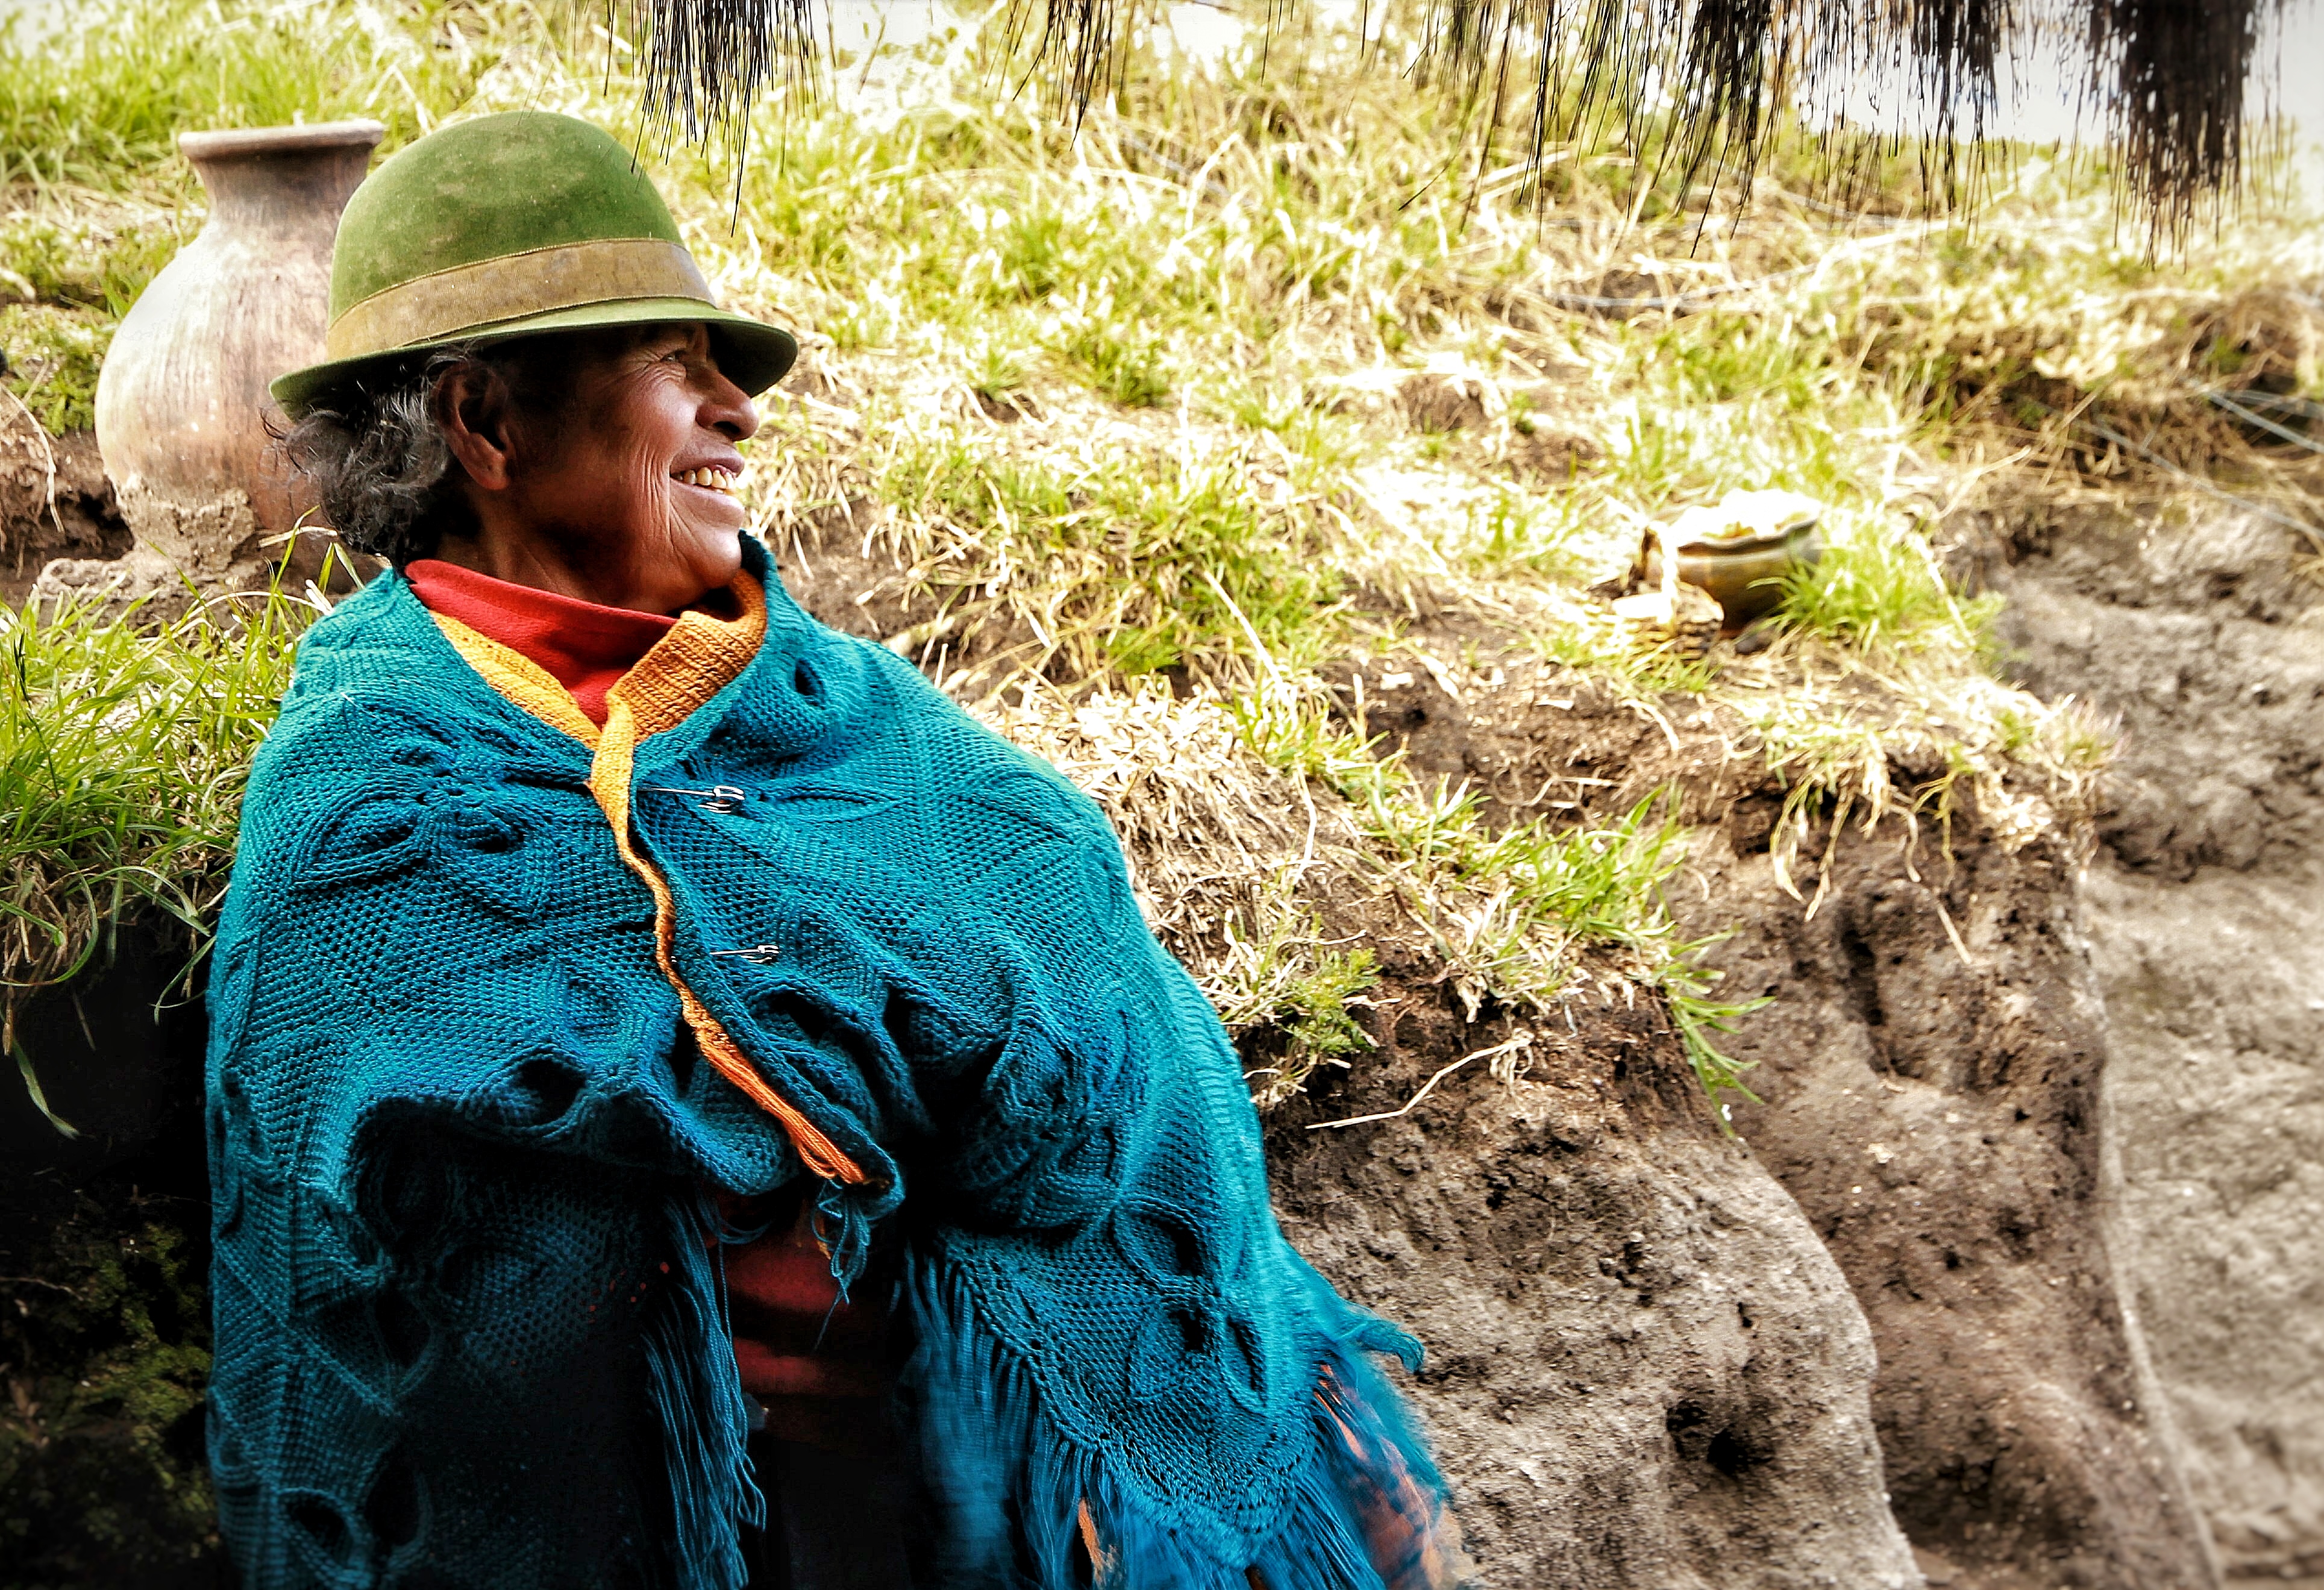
[(54, 503), (1935, 1109), (2205, 909), (1645, 1372)]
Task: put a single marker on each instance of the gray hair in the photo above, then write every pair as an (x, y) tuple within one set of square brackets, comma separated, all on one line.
[(376, 450)]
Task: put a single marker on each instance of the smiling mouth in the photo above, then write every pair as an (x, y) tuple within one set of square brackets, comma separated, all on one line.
[(710, 478)]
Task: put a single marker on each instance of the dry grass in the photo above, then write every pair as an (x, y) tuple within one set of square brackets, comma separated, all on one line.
[(1276, 857), (1157, 416)]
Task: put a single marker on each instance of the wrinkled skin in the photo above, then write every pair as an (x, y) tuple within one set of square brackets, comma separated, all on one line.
[(586, 495)]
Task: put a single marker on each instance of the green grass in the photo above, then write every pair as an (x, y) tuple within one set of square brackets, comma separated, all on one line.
[(1512, 909), (1519, 913), (1096, 563), (1881, 592), (124, 752), (1125, 399), (53, 357), (97, 99), (1283, 979)]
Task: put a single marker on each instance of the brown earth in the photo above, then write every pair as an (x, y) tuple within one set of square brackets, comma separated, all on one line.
[(82, 522), (79, 545), (1644, 1371), (2203, 630), (1937, 1117)]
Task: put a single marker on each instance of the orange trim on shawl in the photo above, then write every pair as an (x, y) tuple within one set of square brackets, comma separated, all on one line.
[(701, 656)]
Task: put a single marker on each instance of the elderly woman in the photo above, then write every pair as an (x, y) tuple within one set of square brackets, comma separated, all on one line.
[(688, 1106)]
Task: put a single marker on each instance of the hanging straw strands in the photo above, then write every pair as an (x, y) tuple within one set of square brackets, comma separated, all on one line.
[(709, 60), (2168, 77)]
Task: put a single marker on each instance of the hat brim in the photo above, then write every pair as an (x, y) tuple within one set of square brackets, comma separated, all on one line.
[(750, 354)]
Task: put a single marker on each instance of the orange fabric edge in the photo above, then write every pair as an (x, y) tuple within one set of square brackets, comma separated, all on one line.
[(519, 680), (609, 781), (701, 656), (1100, 1559)]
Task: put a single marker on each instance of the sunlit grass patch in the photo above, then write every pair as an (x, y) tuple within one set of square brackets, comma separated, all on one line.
[(1604, 648), (89, 256), (1125, 364), (124, 753), (1514, 910), (96, 97), (53, 355), (1107, 559), (1878, 589)]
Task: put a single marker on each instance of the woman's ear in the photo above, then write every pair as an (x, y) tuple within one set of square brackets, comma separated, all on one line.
[(474, 409)]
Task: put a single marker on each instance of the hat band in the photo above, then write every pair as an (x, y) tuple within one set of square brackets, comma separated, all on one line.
[(490, 293)]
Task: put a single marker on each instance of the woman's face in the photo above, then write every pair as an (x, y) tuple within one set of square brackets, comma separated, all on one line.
[(625, 477)]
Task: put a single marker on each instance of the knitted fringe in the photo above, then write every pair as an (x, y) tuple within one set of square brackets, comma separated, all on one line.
[(1364, 1510), (691, 1379), (849, 1225)]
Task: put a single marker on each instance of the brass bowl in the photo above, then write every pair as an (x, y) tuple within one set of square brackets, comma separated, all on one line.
[(1744, 575)]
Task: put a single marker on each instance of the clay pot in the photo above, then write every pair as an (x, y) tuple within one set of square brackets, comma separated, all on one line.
[(181, 403), (1745, 574)]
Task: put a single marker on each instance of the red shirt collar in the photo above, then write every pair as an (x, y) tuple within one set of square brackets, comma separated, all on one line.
[(584, 647)]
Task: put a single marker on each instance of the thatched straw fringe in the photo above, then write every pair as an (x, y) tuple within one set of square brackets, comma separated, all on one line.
[(2168, 74), (2176, 72), (709, 60)]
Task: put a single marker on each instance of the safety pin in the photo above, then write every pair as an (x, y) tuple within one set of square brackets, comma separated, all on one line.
[(757, 954), (723, 799)]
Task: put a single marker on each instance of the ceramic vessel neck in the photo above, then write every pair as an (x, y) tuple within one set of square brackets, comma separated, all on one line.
[(282, 181)]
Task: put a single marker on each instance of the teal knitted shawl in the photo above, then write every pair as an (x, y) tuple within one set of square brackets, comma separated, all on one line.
[(469, 1325)]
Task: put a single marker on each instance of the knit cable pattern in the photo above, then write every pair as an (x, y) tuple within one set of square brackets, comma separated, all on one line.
[(467, 1311)]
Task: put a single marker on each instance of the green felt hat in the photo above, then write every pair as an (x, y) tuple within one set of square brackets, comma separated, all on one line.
[(508, 226)]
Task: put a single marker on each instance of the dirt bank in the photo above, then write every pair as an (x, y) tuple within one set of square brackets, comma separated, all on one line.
[(1644, 1369), (1935, 1111), (54, 503), (2208, 928)]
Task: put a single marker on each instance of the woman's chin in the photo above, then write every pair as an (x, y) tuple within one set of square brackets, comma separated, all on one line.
[(711, 554)]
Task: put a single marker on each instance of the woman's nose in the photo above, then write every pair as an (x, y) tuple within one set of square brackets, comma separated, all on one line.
[(729, 411)]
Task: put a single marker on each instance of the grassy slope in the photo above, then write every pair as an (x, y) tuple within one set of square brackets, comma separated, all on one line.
[(1288, 347), (1208, 389), (1214, 300)]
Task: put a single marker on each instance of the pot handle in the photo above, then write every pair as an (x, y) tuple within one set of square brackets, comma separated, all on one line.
[(1651, 544)]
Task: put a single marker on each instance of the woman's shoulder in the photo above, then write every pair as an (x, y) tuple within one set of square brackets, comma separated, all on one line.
[(379, 624), (371, 676), (964, 753)]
